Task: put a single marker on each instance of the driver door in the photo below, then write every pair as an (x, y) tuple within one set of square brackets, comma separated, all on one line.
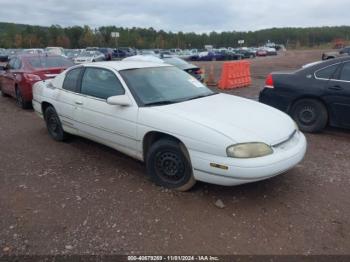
[(112, 125)]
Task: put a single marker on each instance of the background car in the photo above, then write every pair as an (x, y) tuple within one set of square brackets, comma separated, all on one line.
[(3, 56), (108, 52), (33, 51), (71, 54), (315, 96), (120, 53), (271, 51), (23, 71), (335, 54), (55, 50), (193, 70), (147, 52), (89, 57), (208, 56), (261, 52)]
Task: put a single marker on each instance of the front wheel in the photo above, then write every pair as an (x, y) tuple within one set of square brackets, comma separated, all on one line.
[(54, 125), (168, 165), (310, 115), (2, 92)]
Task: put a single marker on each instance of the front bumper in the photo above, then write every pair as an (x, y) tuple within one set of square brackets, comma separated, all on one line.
[(242, 171)]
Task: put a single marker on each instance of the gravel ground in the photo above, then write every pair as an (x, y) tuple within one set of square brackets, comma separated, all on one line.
[(83, 198)]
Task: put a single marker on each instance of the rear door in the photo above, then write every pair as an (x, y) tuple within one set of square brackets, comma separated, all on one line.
[(338, 92)]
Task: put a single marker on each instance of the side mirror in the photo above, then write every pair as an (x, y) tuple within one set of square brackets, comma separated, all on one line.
[(122, 100)]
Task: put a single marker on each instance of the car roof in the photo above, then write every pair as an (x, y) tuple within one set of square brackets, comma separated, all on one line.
[(126, 65), (332, 61)]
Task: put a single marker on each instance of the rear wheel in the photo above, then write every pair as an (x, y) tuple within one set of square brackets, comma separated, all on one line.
[(54, 125), (20, 100), (169, 166), (310, 115), (2, 93)]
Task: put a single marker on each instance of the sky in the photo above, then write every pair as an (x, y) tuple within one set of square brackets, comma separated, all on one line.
[(198, 16)]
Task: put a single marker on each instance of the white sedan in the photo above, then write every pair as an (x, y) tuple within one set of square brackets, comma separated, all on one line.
[(182, 130)]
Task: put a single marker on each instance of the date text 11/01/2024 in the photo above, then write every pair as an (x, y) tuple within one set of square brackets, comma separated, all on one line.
[(173, 258)]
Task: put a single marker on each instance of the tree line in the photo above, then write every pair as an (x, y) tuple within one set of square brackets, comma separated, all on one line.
[(28, 36)]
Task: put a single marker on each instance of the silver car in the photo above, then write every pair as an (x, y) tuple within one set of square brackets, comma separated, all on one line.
[(89, 57)]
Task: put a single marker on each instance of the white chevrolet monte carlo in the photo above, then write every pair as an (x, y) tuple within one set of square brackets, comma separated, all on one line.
[(161, 115)]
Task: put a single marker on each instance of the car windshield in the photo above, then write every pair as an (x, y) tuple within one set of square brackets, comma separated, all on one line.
[(163, 85), (49, 62)]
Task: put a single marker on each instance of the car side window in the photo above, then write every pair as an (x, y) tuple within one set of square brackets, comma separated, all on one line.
[(17, 64), (71, 82), (12, 63), (345, 72), (327, 72), (101, 83)]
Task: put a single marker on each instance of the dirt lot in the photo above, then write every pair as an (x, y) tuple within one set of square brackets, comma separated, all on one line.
[(83, 198)]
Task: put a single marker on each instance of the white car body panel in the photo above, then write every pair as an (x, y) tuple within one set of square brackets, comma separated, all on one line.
[(206, 126)]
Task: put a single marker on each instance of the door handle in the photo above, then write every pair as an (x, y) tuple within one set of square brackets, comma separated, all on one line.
[(336, 88), (78, 103)]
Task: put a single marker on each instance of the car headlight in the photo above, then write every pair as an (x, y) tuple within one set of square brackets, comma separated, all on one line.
[(249, 150)]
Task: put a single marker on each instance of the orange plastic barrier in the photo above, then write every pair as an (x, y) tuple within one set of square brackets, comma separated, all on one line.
[(235, 75)]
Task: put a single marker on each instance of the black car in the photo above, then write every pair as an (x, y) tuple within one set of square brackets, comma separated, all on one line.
[(108, 52), (246, 53), (193, 70), (315, 96)]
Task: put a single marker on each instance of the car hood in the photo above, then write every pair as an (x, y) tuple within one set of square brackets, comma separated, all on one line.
[(241, 120)]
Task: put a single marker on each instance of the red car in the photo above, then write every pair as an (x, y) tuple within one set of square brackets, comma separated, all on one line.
[(22, 71), (261, 52)]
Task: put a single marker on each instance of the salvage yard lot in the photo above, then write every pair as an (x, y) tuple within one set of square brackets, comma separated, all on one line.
[(83, 198)]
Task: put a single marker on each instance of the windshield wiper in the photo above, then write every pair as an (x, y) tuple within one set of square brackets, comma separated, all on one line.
[(161, 103), (201, 96)]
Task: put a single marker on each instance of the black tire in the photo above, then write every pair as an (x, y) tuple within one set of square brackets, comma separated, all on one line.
[(168, 165), (54, 125), (310, 115), (20, 100), (2, 93)]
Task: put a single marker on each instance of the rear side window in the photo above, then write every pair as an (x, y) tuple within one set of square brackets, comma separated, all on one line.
[(71, 82), (345, 73), (12, 63), (17, 64), (327, 72), (101, 83)]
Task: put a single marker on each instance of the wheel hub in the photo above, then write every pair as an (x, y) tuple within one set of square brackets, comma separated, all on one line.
[(169, 166), (53, 124), (307, 115)]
